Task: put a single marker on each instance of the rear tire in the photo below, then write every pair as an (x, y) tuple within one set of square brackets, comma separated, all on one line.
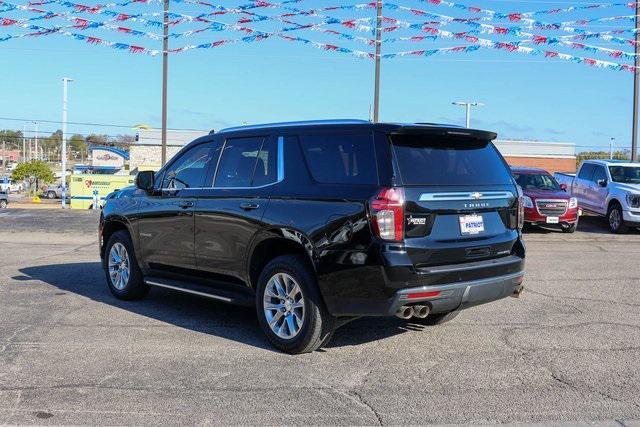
[(615, 219), (3, 204), (290, 310), (124, 277), (51, 195), (437, 319)]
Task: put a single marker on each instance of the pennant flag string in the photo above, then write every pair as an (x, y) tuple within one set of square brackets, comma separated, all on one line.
[(470, 36), (517, 15), (40, 31), (510, 47)]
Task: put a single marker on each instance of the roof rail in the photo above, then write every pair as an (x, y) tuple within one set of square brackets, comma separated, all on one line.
[(296, 123)]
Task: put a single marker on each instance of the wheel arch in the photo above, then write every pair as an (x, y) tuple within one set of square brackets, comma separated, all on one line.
[(268, 245), (112, 225)]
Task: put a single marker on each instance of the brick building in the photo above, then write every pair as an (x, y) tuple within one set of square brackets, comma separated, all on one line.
[(9, 155), (551, 156)]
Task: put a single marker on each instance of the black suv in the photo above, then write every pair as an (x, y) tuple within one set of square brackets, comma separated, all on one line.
[(316, 223)]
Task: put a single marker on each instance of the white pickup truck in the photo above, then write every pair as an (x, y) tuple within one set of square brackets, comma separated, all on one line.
[(609, 188)]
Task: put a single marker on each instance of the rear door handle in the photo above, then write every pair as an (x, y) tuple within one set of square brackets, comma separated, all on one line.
[(248, 206), (185, 205)]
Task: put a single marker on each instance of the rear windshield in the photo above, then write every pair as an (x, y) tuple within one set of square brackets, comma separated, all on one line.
[(424, 160)]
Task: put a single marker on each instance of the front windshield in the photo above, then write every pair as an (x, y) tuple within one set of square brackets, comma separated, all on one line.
[(626, 174), (531, 181)]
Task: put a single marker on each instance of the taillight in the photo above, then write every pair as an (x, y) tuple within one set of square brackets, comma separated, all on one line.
[(521, 202), (387, 214)]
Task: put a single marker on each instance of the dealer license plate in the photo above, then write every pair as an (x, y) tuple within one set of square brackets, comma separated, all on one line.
[(553, 220), (471, 224)]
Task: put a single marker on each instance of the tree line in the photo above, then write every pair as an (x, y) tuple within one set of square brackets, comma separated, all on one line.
[(50, 145)]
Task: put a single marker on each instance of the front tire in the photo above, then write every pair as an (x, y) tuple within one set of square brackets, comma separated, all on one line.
[(51, 195), (291, 312), (124, 277), (571, 229), (616, 220), (3, 204)]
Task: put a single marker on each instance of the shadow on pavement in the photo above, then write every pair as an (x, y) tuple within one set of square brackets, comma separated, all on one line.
[(196, 314)]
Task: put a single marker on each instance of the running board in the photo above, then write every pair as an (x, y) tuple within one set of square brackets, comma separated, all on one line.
[(199, 290)]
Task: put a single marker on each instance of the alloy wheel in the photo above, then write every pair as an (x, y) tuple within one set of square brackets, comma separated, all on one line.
[(614, 219), (119, 269), (283, 304)]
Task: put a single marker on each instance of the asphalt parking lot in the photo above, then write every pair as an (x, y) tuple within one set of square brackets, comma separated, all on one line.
[(70, 353)]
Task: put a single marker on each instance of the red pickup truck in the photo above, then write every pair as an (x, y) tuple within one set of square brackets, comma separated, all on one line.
[(546, 203)]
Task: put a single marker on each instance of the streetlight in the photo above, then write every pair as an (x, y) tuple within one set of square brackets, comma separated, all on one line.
[(611, 142), (65, 82), (468, 106)]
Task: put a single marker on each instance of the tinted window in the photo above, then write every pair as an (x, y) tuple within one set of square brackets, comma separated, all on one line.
[(586, 171), (266, 165), (238, 162), (190, 169), (599, 173), (541, 181), (630, 174), (425, 160), (340, 159)]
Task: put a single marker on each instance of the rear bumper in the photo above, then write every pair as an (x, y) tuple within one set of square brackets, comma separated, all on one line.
[(458, 296), (379, 290)]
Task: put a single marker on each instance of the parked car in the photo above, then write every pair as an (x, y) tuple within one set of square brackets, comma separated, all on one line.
[(317, 223), (10, 187), (4, 199), (546, 203), (610, 188), (53, 191)]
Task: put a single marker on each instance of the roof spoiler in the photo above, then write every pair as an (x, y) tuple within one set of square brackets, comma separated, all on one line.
[(446, 131)]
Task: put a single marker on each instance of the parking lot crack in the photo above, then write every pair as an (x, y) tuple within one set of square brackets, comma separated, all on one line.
[(371, 408)]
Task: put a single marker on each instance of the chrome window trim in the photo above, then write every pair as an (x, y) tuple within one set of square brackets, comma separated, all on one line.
[(279, 177), (456, 196)]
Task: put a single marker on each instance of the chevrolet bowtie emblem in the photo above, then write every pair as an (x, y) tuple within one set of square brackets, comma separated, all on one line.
[(476, 196)]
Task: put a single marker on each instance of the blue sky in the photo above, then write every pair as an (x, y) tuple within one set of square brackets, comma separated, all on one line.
[(525, 96)]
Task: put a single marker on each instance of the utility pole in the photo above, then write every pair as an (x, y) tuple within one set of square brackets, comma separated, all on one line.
[(165, 70), (36, 143), (63, 159), (467, 106), (24, 147), (376, 93), (4, 159), (636, 82)]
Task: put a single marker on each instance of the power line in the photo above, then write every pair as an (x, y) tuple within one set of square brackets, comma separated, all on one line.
[(15, 119)]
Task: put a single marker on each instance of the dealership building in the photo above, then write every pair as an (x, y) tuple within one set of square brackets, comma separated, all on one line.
[(145, 152), (551, 156)]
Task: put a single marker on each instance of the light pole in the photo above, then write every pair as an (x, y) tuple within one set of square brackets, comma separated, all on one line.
[(65, 83), (611, 141), (468, 106)]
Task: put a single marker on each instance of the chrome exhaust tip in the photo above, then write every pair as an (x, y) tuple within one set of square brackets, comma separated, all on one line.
[(421, 311), (405, 312)]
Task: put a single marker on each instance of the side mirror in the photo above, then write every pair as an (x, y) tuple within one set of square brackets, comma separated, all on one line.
[(563, 187), (602, 182), (145, 180)]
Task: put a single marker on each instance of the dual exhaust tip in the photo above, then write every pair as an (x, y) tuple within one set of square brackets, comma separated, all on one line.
[(407, 312)]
